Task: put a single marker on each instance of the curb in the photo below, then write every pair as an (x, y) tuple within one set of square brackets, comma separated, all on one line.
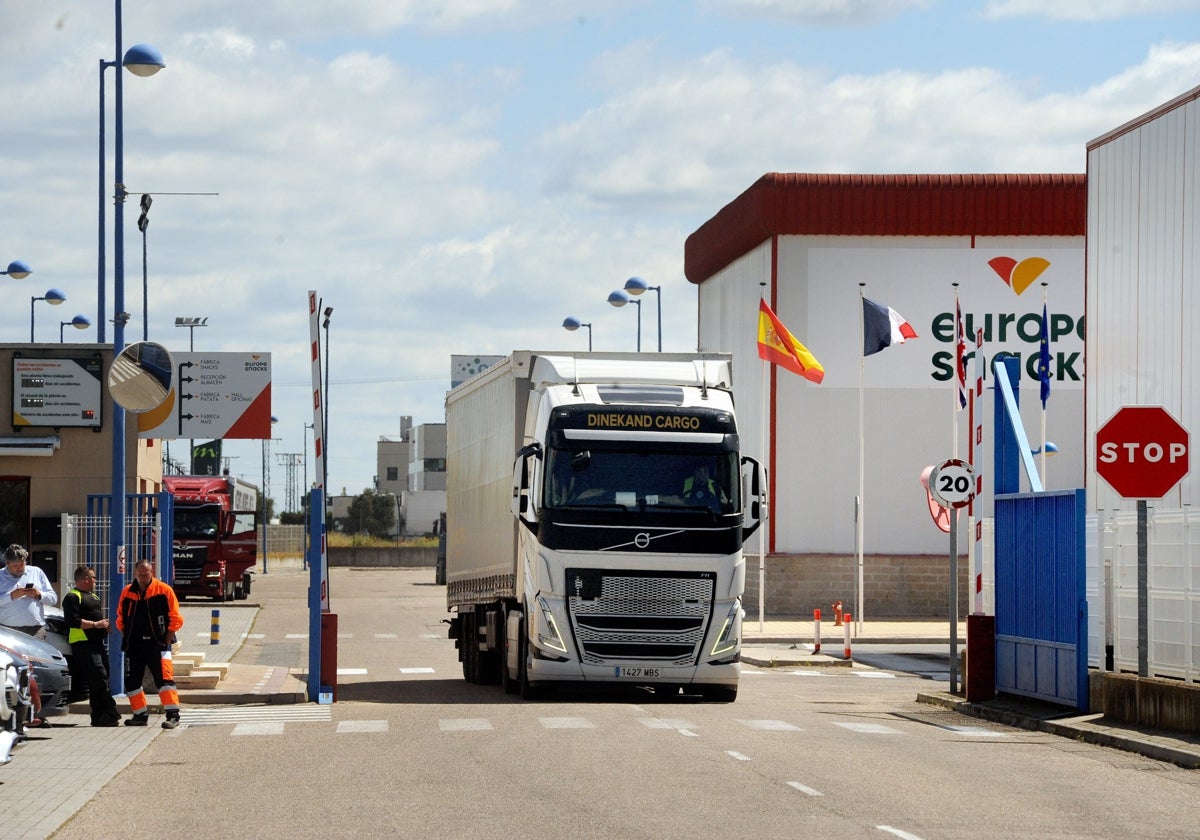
[(814, 660)]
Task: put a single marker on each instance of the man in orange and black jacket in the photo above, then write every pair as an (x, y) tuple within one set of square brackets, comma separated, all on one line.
[(148, 618)]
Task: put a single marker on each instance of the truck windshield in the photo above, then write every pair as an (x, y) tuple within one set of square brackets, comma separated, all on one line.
[(202, 521), (663, 480)]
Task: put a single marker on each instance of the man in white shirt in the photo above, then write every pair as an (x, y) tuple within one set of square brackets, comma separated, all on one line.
[(24, 591)]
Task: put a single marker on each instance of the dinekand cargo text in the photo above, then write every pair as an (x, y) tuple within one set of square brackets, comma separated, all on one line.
[(597, 505)]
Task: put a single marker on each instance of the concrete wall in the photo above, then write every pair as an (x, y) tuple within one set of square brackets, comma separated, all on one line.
[(893, 587), (376, 557), (1149, 701)]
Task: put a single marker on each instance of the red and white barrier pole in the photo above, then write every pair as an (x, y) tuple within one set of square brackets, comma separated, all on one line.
[(846, 618), (816, 631)]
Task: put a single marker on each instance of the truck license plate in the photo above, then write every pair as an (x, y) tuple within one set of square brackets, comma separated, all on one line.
[(635, 673)]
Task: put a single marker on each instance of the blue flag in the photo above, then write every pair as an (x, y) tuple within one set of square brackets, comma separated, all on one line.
[(1043, 367)]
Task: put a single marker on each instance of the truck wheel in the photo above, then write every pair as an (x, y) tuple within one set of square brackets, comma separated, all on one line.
[(719, 693), (247, 579), (469, 642)]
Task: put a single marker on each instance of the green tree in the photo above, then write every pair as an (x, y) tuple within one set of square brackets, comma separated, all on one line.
[(372, 513)]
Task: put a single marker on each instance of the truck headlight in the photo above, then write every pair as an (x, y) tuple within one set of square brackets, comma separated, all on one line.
[(728, 638), (547, 633), (212, 574)]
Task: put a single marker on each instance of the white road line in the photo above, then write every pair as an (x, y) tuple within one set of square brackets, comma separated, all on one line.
[(737, 755), (869, 728), (265, 727), (296, 636), (385, 636), (431, 636), (770, 725), (875, 675), (809, 672), (351, 672), (345, 635), (363, 726), (464, 724), (666, 723), (290, 713), (903, 835), (566, 723), (805, 789), (689, 733), (417, 671)]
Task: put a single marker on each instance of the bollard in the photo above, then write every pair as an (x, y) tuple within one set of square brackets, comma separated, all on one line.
[(816, 631), (214, 635), (846, 618), (837, 613)]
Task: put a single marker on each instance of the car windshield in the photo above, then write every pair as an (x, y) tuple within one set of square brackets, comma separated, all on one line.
[(664, 480)]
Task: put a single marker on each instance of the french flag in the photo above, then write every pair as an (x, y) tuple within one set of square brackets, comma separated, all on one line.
[(883, 327)]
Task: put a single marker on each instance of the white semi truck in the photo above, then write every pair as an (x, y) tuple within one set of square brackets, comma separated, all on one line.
[(597, 504)]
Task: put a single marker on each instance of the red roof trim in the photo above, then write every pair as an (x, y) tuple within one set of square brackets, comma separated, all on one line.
[(887, 205)]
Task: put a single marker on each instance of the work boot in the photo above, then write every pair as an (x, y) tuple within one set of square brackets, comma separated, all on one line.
[(140, 719), (172, 720)]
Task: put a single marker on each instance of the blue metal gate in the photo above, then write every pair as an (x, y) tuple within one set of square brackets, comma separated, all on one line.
[(1041, 603), (140, 509)]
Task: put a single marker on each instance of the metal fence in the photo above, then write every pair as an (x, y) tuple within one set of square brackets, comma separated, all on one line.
[(86, 541), (1173, 570)]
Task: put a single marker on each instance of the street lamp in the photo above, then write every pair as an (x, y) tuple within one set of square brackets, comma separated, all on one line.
[(79, 322), (18, 270), (325, 398), (54, 297), (618, 299), (141, 60), (636, 286), (266, 477), (191, 324), (571, 323)]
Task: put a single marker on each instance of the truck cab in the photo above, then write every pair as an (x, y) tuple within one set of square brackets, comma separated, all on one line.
[(213, 535)]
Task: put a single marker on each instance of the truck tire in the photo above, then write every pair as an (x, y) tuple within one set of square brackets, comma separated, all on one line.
[(719, 693), (468, 645), (247, 579)]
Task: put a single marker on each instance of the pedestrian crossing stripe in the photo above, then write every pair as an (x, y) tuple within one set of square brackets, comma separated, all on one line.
[(217, 715)]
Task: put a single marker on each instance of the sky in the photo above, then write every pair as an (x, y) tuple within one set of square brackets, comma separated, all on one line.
[(458, 177)]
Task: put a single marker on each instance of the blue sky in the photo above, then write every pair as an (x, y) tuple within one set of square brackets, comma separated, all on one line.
[(457, 177)]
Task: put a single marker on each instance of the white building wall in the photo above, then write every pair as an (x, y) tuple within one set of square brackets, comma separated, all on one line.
[(908, 419)]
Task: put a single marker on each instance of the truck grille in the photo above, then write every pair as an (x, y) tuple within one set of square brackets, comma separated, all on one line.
[(620, 615)]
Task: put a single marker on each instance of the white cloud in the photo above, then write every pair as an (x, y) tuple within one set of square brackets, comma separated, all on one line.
[(1085, 10), (820, 12)]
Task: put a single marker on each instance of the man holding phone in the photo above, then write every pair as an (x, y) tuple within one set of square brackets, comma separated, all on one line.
[(24, 591)]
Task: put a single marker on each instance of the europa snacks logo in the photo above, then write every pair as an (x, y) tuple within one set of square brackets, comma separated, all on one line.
[(1019, 274)]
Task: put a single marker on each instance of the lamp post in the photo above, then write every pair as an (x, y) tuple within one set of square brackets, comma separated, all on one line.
[(637, 286), (618, 299), (54, 297), (571, 323), (79, 322), (141, 60), (266, 477), (18, 270)]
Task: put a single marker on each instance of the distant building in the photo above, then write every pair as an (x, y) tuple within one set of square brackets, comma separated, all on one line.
[(413, 469)]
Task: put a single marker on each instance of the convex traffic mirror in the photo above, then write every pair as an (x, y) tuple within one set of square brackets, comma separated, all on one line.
[(141, 376)]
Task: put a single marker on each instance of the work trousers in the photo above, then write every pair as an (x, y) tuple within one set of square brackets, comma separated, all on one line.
[(139, 659), (91, 663)]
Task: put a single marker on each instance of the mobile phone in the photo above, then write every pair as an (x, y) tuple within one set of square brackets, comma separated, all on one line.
[(29, 586)]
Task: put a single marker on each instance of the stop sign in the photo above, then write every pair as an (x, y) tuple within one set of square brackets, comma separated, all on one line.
[(1142, 452)]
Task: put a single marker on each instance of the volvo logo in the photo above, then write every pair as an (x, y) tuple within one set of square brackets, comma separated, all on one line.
[(642, 540)]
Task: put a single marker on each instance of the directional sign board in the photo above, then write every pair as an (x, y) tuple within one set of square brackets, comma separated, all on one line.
[(1142, 452), (216, 395), (952, 483)]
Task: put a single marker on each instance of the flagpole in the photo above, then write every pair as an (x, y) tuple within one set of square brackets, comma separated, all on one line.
[(1046, 330), (858, 607), (766, 454)]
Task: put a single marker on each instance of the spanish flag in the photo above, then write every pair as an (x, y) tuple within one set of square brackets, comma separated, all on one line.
[(780, 347)]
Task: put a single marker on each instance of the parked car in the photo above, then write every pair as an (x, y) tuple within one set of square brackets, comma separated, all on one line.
[(57, 634), (15, 702), (49, 667)]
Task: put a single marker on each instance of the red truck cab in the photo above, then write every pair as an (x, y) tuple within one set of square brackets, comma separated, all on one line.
[(214, 537)]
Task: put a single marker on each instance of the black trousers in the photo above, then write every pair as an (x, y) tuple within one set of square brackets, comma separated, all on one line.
[(91, 662)]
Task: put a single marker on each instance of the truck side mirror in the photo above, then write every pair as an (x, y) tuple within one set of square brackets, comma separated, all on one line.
[(523, 482), (754, 484)]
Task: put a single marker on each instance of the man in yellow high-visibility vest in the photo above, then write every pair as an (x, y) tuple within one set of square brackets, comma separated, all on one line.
[(89, 629)]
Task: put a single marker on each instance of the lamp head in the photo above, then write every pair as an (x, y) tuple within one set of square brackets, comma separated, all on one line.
[(54, 297), (143, 60), (571, 323), (18, 269), (80, 322), (636, 285), (619, 298)]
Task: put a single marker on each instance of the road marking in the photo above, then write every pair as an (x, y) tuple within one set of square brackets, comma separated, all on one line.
[(385, 636), (770, 725), (431, 636), (689, 733), (345, 635), (351, 672), (296, 636), (875, 675), (809, 672), (256, 636), (264, 727), (464, 724), (666, 723), (290, 713), (566, 723), (737, 755), (903, 835), (364, 726), (417, 671), (805, 789), (869, 728)]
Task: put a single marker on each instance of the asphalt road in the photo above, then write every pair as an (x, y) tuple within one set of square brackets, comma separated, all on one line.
[(411, 750)]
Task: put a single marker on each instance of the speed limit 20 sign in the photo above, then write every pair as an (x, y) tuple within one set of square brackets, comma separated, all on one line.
[(952, 483)]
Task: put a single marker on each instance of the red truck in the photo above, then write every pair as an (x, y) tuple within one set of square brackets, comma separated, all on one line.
[(215, 542)]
